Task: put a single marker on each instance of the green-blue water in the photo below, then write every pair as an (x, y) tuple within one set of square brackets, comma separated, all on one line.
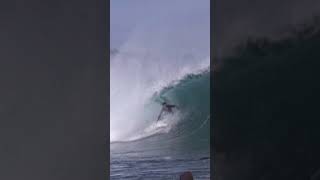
[(180, 142)]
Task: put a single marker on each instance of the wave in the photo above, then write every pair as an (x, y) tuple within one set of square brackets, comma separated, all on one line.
[(187, 127), (136, 79)]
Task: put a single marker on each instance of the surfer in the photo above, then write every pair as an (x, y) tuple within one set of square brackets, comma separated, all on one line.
[(166, 108)]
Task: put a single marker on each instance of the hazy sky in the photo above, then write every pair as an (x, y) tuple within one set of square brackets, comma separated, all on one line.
[(153, 15)]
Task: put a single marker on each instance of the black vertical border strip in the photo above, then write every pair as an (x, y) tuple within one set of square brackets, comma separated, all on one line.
[(102, 18)]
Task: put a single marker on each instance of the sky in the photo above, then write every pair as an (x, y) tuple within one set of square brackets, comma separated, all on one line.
[(127, 17)]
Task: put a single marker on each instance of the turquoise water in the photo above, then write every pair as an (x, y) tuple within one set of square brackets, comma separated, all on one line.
[(180, 142)]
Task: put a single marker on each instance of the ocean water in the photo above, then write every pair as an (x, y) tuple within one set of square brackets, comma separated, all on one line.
[(165, 56), (179, 142)]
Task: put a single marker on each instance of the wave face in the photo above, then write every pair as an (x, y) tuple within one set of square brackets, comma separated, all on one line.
[(136, 102), (141, 146), (188, 125)]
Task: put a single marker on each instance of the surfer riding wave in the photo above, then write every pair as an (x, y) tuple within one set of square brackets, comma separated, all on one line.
[(166, 108)]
